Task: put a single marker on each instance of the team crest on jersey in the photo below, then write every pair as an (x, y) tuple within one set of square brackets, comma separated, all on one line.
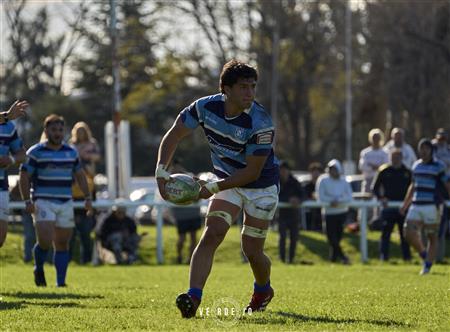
[(264, 138), (239, 133)]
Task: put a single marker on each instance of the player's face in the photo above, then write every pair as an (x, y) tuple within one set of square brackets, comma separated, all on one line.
[(425, 152), (242, 93), (55, 133)]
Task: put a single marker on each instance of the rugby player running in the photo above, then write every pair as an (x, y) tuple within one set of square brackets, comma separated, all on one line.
[(240, 135)]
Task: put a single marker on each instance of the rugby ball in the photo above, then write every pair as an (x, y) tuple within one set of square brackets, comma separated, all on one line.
[(182, 189)]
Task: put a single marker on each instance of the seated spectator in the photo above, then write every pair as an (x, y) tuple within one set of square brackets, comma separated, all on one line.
[(333, 189), (118, 234), (313, 218), (289, 218)]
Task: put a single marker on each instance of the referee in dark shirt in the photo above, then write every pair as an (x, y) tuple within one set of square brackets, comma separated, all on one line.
[(391, 184)]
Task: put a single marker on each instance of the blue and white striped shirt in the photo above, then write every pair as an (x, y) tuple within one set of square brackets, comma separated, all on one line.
[(10, 143), (51, 171), (231, 140), (429, 180)]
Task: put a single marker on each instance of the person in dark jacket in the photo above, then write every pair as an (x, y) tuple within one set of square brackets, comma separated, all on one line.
[(289, 218), (313, 215), (118, 234), (391, 184)]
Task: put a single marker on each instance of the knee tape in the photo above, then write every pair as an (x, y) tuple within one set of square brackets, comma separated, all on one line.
[(221, 214), (254, 232)]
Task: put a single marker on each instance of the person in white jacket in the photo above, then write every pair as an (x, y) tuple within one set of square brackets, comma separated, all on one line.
[(333, 189), (398, 141), (371, 158)]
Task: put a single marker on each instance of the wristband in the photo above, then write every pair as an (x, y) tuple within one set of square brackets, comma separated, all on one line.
[(161, 172), (212, 187)]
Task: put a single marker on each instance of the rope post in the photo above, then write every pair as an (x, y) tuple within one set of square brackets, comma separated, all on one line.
[(363, 235), (159, 235)]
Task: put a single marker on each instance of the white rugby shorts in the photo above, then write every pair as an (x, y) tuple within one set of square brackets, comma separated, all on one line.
[(60, 213), (428, 214), (259, 203)]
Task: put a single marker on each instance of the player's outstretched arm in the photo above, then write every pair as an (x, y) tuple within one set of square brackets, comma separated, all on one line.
[(241, 177), (166, 151), (15, 111)]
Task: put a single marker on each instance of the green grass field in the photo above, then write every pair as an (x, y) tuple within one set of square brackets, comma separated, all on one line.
[(312, 295)]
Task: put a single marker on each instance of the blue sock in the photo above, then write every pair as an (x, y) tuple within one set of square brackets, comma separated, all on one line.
[(61, 262), (261, 289), (427, 265), (40, 255), (196, 292), (423, 254)]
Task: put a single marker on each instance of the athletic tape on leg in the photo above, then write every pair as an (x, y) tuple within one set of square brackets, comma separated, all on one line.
[(221, 214), (254, 232)]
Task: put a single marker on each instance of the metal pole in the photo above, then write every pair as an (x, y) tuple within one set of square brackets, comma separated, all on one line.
[(348, 82), (274, 82), (363, 235), (116, 91), (159, 235)]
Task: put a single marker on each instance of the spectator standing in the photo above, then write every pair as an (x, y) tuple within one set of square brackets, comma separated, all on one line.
[(313, 218), (441, 151), (118, 233), (391, 184), (398, 141), (88, 150), (288, 218), (331, 188), (371, 158), (423, 199)]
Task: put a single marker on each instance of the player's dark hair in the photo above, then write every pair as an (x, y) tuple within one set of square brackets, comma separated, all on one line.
[(53, 118), (233, 70), (425, 141)]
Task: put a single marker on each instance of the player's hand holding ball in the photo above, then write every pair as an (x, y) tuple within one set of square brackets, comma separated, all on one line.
[(181, 189), (208, 189)]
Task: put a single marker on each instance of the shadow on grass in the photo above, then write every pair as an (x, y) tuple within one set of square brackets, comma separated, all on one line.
[(287, 317), (317, 247), (22, 304), (52, 296)]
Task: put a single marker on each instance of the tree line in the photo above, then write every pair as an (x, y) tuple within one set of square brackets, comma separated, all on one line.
[(171, 53)]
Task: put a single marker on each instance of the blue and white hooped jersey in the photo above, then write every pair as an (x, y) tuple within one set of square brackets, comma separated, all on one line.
[(231, 140), (10, 143), (51, 171), (429, 181)]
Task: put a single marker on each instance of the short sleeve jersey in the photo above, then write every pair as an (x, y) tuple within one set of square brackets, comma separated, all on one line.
[(429, 181), (231, 140), (10, 143), (51, 171)]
